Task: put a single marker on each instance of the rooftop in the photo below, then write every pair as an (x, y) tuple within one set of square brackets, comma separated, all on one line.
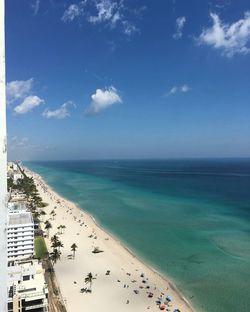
[(17, 206), (35, 286), (19, 218)]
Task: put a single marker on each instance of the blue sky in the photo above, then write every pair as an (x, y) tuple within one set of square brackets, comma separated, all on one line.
[(128, 79)]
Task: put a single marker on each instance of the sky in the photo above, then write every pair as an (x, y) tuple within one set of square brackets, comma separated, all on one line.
[(118, 79)]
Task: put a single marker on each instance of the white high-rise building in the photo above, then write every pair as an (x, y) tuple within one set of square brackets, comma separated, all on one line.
[(20, 235), (3, 167)]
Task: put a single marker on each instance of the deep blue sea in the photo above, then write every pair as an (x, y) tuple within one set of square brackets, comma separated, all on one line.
[(190, 219)]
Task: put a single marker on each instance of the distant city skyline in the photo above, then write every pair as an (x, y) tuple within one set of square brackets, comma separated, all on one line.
[(119, 79)]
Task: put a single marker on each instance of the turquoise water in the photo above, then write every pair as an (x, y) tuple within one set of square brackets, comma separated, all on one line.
[(190, 219)]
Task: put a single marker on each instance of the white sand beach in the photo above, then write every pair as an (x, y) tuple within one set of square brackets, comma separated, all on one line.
[(113, 292)]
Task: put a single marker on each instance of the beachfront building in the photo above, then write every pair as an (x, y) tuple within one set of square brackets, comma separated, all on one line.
[(17, 206), (27, 289), (14, 173), (12, 166), (17, 196), (20, 235), (16, 176)]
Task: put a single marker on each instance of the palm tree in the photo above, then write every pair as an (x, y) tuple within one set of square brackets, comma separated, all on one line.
[(53, 214), (59, 244), (48, 226), (31, 206), (89, 280), (54, 239), (42, 213), (55, 255), (73, 249), (55, 242), (63, 227), (59, 229), (37, 200), (36, 216)]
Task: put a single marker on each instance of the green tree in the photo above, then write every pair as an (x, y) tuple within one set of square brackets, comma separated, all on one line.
[(10, 183), (48, 226), (55, 242), (55, 255), (53, 214), (36, 216), (89, 280), (73, 249), (43, 213), (63, 227)]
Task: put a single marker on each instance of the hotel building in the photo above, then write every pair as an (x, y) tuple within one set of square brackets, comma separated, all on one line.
[(20, 235)]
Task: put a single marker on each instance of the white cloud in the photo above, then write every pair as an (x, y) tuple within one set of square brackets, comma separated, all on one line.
[(102, 99), (14, 138), (73, 11), (23, 148), (59, 113), (185, 88), (21, 90), (19, 142), (28, 104), (23, 142), (35, 6), (173, 90), (178, 89), (18, 89), (115, 18), (180, 22), (231, 39), (106, 11), (109, 12), (129, 28)]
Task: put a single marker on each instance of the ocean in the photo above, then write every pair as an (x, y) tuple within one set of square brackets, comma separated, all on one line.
[(189, 219)]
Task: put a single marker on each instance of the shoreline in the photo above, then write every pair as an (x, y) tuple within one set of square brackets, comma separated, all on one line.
[(143, 261), (158, 277)]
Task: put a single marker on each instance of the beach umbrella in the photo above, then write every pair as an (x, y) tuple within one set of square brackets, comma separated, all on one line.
[(162, 307)]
